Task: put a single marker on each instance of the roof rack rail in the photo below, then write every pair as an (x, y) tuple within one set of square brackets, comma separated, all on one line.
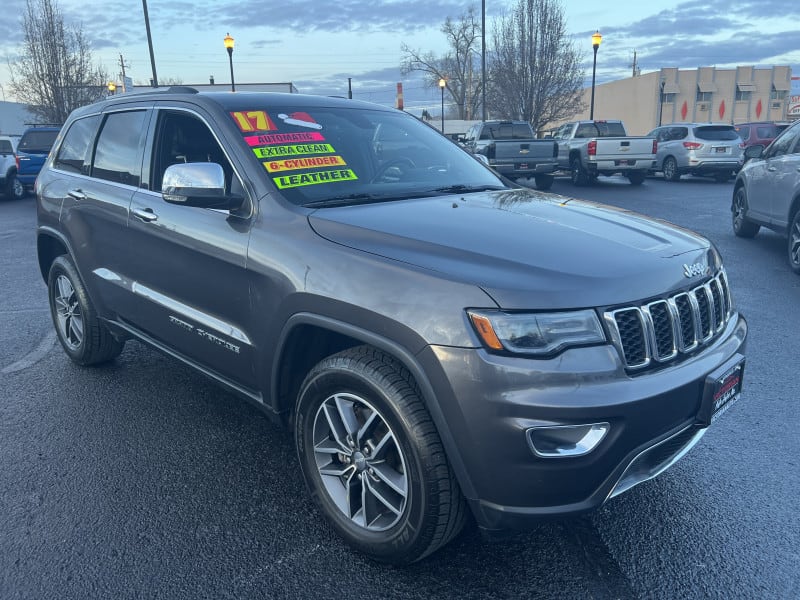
[(42, 124), (181, 89)]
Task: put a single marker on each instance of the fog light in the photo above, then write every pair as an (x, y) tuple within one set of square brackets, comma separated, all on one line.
[(559, 441)]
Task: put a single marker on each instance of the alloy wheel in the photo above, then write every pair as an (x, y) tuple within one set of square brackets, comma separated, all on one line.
[(68, 312), (794, 244), (360, 462)]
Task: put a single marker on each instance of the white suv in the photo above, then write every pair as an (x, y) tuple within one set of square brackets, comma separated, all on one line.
[(713, 149), (10, 186)]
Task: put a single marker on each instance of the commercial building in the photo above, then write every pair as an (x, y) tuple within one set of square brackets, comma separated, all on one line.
[(673, 95)]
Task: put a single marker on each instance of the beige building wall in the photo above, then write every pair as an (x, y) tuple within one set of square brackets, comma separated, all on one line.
[(691, 95)]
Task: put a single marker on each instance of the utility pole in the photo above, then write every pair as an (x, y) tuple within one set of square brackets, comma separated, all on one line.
[(154, 80), (122, 65)]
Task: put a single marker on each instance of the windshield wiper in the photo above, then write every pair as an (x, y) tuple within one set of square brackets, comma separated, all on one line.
[(341, 200), (460, 188)]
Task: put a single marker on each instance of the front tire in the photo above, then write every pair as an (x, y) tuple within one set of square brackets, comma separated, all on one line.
[(741, 226), (794, 243), (85, 339), (372, 459), (670, 169)]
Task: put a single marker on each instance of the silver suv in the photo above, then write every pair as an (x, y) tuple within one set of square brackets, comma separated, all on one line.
[(712, 149), (767, 191)]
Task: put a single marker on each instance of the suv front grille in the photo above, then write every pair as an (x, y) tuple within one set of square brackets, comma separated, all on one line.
[(658, 332)]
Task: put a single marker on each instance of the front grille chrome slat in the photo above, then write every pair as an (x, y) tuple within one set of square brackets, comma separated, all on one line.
[(660, 331)]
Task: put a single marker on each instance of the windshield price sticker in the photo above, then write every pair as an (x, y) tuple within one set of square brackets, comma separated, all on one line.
[(293, 150), (292, 164), (253, 120), (284, 138), (291, 181)]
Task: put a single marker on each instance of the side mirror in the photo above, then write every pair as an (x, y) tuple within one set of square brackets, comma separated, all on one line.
[(754, 151), (198, 184)]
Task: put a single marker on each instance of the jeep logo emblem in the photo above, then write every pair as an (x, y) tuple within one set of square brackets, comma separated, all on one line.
[(695, 269)]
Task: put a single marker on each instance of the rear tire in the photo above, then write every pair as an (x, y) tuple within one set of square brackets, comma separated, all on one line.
[(544, 182), (372, 458), (741, 226), (14, 189), (577, 172), (86, 340), (794, 243), (670, 169)]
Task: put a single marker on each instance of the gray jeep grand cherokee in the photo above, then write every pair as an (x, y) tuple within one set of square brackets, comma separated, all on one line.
[(439, 340)]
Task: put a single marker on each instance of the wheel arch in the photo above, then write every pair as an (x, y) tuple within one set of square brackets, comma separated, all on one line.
[(794, 207), (49, 245), (307, 338)]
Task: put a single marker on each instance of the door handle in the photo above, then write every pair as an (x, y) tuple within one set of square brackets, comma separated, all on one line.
[(77, 194), (145, 214), (771, 169)]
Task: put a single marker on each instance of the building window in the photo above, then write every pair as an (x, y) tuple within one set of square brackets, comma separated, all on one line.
[(743, 95), (777, 94), (703, 96), (668, 98)]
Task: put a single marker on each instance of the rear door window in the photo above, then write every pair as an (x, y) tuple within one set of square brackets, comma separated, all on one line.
[(716, 133)]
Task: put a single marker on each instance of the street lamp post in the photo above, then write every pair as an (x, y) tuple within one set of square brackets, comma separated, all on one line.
[(229, 47), (661, 101), (442, 84), (596, 39)]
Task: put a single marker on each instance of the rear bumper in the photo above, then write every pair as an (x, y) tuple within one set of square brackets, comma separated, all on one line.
[(621, 165), (490, 403), (711, 166), (523, 169)]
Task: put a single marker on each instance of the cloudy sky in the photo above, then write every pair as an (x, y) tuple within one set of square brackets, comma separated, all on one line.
[(318, 45)]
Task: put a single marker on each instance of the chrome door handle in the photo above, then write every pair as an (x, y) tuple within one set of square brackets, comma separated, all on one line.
[(771, 169), (76, 194), (145, 214)]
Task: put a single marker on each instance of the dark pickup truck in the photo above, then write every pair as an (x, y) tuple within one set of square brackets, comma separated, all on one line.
[(513, 150), (32, 151), (440, 342)]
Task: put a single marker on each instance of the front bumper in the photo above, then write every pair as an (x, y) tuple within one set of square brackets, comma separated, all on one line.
[(489, 402)]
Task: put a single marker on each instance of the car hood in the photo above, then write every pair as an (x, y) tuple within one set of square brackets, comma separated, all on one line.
[(527, 250)]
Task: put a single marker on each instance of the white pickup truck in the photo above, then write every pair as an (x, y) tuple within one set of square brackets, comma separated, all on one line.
[(591, 148)]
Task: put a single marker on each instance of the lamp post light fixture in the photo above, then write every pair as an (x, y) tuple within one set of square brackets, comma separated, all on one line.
[(229, 47), (596, 39), (442, 84)]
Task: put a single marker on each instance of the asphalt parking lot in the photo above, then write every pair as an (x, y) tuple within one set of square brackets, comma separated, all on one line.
[(144, 480)]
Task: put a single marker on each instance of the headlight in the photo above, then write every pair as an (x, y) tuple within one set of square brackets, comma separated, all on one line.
[(537, 334)]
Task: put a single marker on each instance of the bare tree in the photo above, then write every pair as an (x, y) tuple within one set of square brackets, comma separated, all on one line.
[(460, 67), (54, 73), (535, 69)]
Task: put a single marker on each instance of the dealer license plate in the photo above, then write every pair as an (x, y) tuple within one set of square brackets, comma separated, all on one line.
[(724, 388), (522, 166), (719, 149)]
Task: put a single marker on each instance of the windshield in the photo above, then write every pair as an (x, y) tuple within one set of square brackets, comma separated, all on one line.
[(38, 141), (330, 156)]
